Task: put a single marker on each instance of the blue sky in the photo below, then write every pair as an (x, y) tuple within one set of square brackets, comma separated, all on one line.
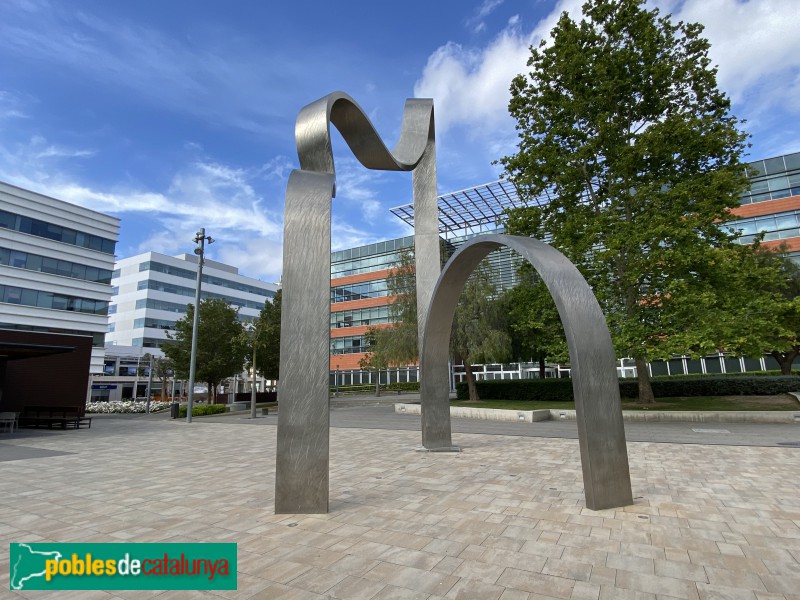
[(180, 114)]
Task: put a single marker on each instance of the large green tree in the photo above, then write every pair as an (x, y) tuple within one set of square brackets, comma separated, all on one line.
[(220, 348), (479, 333), (621, 123)]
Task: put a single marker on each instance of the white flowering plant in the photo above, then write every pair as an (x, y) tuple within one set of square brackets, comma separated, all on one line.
[(125, 406)]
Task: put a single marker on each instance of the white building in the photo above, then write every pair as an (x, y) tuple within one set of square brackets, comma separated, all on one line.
[(56, 261), (151, 291)]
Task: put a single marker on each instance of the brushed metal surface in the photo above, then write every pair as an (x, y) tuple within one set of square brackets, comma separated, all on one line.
[(302, 464), (301, 473), (601, 433)]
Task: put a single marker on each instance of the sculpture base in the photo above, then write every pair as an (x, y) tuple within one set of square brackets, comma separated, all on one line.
[(442, 449)]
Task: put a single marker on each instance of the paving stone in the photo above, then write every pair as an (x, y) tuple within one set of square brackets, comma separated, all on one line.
[(710, 522)]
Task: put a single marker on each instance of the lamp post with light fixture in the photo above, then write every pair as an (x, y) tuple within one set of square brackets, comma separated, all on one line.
[(199, 239)]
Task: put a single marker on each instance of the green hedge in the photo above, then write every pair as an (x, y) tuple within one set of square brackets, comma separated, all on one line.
[(663, 387), (199, 410), (520, 389)]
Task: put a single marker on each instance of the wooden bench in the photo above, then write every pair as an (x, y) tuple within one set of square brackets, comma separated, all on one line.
[(63, 416)]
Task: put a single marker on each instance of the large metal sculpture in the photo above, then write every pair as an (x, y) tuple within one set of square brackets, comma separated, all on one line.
[(301, 477), (601, 434)]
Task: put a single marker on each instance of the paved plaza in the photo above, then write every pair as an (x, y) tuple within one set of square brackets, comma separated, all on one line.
[(504, 518)]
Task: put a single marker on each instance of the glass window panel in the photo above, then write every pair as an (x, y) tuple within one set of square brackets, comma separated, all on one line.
[(771, 363), (693, 367), (752, 364), (746, 227), (780, 194), (69, 236), (29, 297), (58, 302), (7, 220), (792, 161), (765, 224), (658, 367), (732, 364), (759, 186), (18, 259), (49, 265), (713, 365), (774, 165), (785, 220), (65, 268), (676, 366), (778, 183), (771, 235)]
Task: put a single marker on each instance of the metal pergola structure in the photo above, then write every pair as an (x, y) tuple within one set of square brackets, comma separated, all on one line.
[(474, 209)]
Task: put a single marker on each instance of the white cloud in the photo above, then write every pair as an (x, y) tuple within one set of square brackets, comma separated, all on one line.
[(477, 23), (471, 85), (223, 199), (345, 235), (356, 183), (755, 46), (752, 42), (11, 107), (257, 257)]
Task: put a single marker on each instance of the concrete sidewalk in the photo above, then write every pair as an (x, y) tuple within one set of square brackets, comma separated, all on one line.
[(504, 519)]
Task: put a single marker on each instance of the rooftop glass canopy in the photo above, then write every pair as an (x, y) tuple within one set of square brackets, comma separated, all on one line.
[(472, 210)]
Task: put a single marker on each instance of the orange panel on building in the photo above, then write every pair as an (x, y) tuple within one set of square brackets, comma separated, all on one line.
[(769, 207), (363, 303), (360, 278), (346, 362), (791, 244)]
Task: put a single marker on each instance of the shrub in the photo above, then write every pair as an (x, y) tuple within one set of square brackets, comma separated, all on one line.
[(199, 410), (663, 387), (125, 406)]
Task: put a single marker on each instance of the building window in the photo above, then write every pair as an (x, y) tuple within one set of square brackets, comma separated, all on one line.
[(27, 297), (64, 268), (55, 232)]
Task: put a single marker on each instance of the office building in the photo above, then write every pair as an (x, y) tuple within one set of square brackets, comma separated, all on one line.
[(151, 292), (56, 261), (359, 296)]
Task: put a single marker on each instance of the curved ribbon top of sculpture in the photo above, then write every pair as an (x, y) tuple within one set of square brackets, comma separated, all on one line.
[(313, 134)]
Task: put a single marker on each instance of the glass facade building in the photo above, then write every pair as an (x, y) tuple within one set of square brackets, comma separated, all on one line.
[(770, 208), (55, 267)]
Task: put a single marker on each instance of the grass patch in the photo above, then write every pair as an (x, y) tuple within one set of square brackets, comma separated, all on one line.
[(712, 403)]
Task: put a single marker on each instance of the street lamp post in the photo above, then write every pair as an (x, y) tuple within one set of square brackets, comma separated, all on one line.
[(149, 386), (199, 239), (336, 381), (253, 391)]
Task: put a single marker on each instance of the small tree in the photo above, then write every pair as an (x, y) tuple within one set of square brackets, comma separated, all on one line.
[(533, 322), (263, 339), (479, 333), (220, 351), (621, 122), (379, 344)]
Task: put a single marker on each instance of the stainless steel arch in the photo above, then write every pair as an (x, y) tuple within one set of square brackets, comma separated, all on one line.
[(301, 477), (601, 433)]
